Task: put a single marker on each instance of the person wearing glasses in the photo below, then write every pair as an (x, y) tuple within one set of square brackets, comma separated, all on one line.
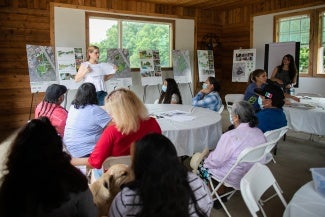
[(96, 73)]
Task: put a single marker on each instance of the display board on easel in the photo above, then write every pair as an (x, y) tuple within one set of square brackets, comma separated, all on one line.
[(274, 53)]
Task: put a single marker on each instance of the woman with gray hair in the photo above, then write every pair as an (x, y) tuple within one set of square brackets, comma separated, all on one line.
[(231, 144)]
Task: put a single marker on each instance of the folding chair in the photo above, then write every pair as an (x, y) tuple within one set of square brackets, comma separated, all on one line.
[(253, 185), (231, 98), (248, 155), (274, 135)]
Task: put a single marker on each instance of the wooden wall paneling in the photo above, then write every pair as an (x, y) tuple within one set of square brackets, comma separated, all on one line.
[(28, 22)]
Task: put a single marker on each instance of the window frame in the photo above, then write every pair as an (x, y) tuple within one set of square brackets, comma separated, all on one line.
[(314, 37), (133, 18)]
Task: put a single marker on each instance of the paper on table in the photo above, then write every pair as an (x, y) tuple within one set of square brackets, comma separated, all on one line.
[(180, 118), (175, 115), (301, 106)]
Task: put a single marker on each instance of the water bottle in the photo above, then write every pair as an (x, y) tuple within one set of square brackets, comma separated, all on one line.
[(292, 90)]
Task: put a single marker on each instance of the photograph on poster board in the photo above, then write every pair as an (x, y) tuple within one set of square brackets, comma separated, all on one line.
[(150, 68), (120, 58), (244, 61), (205, 64), (41, 67), (182, 66), (69, 60)]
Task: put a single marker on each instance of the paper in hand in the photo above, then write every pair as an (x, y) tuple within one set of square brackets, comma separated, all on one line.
[(107, 68)]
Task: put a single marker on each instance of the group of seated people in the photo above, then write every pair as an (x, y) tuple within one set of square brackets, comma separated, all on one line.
[(47, 148)]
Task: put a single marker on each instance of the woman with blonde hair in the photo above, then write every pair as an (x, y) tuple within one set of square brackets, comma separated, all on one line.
[(96, 73), (130, 122)]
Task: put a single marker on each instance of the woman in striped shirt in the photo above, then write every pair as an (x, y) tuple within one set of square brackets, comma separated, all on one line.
[(162, 186)]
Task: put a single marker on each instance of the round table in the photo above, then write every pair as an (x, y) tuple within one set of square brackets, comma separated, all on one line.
[(191, 132), (306, 202)]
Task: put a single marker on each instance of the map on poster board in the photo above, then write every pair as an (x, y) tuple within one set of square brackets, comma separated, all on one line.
[(150, 68), (205, 64), (120, 58), (41, 67), (182, 66), (244, 61)]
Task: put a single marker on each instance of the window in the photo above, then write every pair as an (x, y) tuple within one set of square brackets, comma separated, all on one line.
[(321, 45), (132, 33), (303, 27)]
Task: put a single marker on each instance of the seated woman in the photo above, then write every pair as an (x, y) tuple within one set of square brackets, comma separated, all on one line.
[(257, 79), (130, 123), (162, 186), (86, 122), (39, 179), (232, 143), (170, 93), (208, 97)]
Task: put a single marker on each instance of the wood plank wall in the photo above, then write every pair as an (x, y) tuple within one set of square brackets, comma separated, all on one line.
[(28, 22)]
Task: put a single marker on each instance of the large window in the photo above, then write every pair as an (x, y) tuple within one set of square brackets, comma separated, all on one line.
[(134, 34), (306, 27)]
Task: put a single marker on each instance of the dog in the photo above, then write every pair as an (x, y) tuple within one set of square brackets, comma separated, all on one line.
[(108, 185)]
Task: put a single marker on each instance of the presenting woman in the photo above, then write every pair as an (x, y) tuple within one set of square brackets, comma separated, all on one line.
[(96, 73)]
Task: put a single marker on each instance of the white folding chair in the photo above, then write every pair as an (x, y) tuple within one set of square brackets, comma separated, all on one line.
[(231, 98), (274, 135), (248, 155), (253, 185), (221, 109)]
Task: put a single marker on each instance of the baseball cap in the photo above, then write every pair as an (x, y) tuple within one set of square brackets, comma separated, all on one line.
[(273, 92), (53, 92)]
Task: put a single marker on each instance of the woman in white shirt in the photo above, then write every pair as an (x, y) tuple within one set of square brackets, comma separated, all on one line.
[(96, 73)]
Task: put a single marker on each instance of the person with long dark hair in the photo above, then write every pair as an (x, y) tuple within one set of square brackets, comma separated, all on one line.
[(170, 93), (257, 79), (285, 74), (86, 122), (209, 96), (51, 107), (39, 179), (162, 186)]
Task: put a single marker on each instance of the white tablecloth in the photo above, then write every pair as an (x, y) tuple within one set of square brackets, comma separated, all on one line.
[(190, 136), (306, 202), (308, 120)]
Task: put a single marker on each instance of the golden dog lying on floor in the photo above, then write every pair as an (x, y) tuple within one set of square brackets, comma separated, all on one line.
[(108, 185)]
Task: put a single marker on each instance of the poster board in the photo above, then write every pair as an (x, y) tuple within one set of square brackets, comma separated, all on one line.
[(244, 62), (274, 53), (150, 68), (182, 66), (41, 67), (120, 58), (68, 61), (205, 64)]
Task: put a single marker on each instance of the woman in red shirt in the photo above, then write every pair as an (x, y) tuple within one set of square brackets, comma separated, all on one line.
[(130, 122)]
